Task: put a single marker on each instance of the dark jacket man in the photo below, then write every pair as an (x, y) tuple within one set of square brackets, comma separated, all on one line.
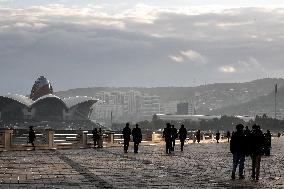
[(126, 136), (32, 137), (137, 137), (182, 136), (167, 134), (239, 150)]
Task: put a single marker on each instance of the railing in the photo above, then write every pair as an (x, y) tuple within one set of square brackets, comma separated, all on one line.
[(60, 139)]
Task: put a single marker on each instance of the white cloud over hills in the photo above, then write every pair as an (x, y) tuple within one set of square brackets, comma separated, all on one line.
[(141, 45)]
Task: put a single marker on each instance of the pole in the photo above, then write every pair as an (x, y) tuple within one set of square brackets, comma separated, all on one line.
[(275, 102)]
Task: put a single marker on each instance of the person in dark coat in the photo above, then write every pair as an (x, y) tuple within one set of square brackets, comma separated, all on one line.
[(228, 135), (238, 149), (257, 144), (182, 136), (95, 136), (137, 137), (126, 136), (174, 136), (198, 136), (32, 137), (268, 143), (218, 136), (167, 134)]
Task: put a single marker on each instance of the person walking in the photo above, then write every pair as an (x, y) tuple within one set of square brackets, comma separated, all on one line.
[(267, 136), (174, 136), (182, 136), (126, 137), (198, 135), (32, 137), (238, 149), (100, 138), (95, 136), (167, 134), (137, 137), (257, 144), (228, 135), (218, 136)]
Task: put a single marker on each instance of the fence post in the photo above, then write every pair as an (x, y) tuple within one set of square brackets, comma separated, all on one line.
[(7, 139), (50, 139), (83, 139), (111, 138)]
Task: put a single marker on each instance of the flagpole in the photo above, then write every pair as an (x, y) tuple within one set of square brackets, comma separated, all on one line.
[(275, 101)]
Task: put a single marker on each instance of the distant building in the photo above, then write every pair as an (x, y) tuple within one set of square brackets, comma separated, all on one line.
[(42, 105), (182, 108)]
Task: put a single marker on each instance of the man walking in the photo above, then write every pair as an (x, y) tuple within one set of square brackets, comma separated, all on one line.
[(174, 136), (32, 137), (257, 144), (182, 136), (238, 149), (137, 137), (126, 136), (167, 134)]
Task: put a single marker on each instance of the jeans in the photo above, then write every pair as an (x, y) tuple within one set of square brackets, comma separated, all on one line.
[(136, 144), (238, 159), (126, 144), (168, 146), (255, 165)]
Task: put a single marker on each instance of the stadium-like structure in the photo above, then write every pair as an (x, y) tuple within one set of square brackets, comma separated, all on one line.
[(44, 105)]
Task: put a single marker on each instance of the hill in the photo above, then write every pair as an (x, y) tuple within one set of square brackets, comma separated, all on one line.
[(208, 99)]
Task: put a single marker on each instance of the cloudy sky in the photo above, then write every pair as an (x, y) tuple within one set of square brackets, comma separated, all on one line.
[(138, 43)]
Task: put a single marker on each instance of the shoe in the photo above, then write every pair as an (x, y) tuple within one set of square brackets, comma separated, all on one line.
[(241, 177), (233, 176)]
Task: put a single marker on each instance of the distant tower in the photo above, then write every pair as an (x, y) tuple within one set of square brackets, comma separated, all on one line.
[(40, 88)]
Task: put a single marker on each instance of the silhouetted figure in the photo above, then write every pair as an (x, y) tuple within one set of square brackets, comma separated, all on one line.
[(95, 136), (257, 143), (267, 149), (238, 149), (198, 136), (174, 136), (100, 138), (167, 134), (279, 135), (32, 137), (126, 136), (137, 137), (247, 132), (228, 135), (182, 136), (218, 136)]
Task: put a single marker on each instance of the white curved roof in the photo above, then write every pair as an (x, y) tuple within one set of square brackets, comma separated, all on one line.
[(20, 98), (73, 101), (48, 96)]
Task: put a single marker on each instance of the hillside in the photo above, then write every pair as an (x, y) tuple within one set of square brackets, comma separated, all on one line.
[(208, 99)]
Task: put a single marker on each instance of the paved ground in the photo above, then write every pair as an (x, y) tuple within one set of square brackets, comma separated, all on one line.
[(199, 166)]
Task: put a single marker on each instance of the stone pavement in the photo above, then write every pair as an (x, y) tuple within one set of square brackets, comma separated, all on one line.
[(199, 166)]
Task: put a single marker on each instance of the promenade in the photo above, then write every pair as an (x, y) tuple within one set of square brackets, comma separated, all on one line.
[(199, 166)]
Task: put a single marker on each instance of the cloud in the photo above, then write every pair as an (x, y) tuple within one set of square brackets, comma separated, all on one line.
[(227, 69), (178, 59), (104, 47)]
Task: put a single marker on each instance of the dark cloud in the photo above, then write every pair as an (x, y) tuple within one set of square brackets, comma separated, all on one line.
[(76, 48)]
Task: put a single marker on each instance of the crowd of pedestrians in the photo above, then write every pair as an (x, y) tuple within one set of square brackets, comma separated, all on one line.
[(253, 143), (243, 143)]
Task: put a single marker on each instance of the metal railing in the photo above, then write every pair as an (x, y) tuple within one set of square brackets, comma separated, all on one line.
[(48, 139)]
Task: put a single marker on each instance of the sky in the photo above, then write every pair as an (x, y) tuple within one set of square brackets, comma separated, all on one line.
[(148, 43)]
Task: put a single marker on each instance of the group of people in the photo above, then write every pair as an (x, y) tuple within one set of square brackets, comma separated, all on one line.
[(97, 137), (136, 134), (253, 143), (170, 134)]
